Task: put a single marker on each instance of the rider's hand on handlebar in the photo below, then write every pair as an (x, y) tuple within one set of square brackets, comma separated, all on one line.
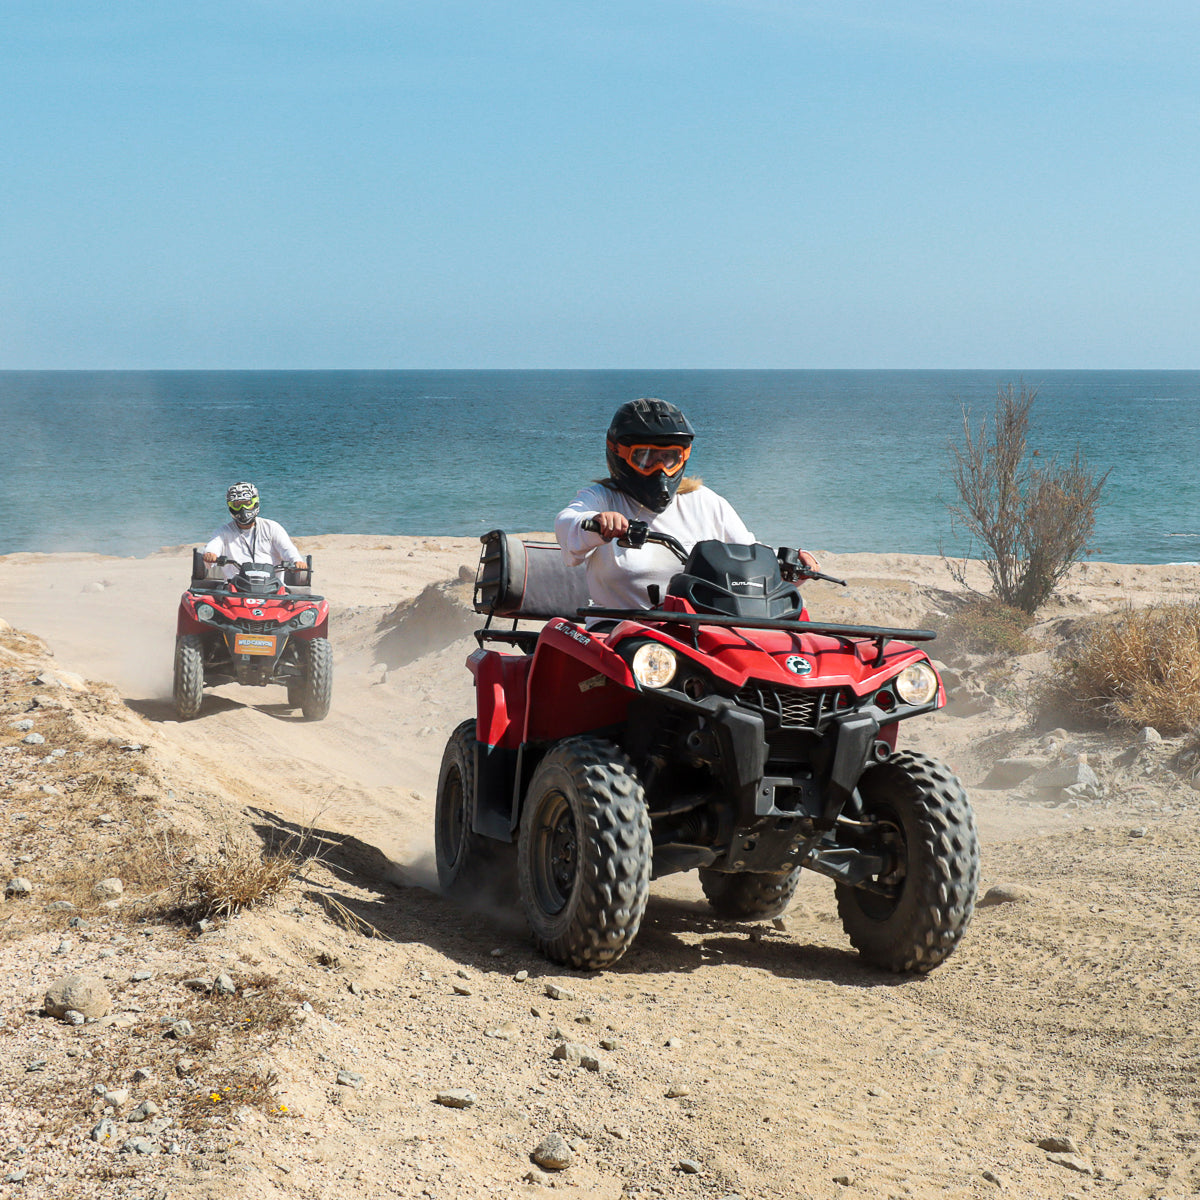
[(210, 557), (808, 560), (611, 525)]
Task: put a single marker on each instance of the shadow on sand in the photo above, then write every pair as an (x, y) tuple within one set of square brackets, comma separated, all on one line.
[(401, 904)]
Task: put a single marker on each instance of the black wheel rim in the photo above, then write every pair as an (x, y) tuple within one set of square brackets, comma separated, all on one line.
[(555, 854), (452, 820)]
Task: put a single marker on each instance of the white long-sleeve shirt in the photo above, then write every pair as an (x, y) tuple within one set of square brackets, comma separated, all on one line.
[(264, 541), (619, 577)]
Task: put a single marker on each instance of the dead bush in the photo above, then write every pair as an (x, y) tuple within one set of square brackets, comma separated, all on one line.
[(1034, 517), (1139, 668), (237, 875)]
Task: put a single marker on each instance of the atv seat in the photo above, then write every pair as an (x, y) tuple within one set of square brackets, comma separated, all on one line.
[(525, 581)]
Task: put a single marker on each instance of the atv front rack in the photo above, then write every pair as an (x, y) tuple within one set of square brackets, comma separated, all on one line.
[(874, 633)]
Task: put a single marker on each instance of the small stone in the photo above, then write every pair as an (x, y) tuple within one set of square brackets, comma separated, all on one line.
[(108, 889), (617, 1131), (673, 1043), (355, 988), (184, 1067), (1059, 1145), (608, 1043), (60, 906), (33, 739), (780, 923), (497, 953), (144, 1112), (456, 1098), (843, 1180), (559, 993), (181, 1029), (349, 1079), (141, 1075), (461, 989), (198, 983), (578, 1055), (584, 1018), (17, 1176), (521, 976), (1148, 735), (103, 1130), (689, 1166), (552, 1153), (993, 1178), (85, 994), (223, 985), (74, 1017), (1139, 832), (16, 887), (139, 1146), (106, 952), (115, 1097), (505, 1032), (23, 726), (36, 1064), (677, 1090), (174, 1148)]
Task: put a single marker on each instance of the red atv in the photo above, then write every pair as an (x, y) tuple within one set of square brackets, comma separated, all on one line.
[(720, 730), (253, 629)]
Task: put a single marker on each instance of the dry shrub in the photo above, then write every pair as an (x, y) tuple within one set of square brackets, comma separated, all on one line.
[(1139, 668), (986, 627), (237, 875), (1033, 516)]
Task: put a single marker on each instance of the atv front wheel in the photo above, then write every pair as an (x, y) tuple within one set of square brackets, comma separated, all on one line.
[(584, 853), (743, 895), (461, 853), (318, 680), (188, 689), (926, 896)]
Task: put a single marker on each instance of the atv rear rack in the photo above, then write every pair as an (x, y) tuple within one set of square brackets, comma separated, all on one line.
[(880, 636)]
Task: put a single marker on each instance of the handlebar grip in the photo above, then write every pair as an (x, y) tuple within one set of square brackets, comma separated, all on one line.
[(591, 525)]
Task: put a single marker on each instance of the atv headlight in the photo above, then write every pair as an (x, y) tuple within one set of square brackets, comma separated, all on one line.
[(306, 618), (205, 612), (917, 684), (653, 665)]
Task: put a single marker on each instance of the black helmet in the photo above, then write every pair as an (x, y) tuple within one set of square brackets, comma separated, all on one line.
[(648, 445)]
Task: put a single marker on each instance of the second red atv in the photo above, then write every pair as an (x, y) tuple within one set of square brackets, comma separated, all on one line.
[(253, 629), (721, 730)]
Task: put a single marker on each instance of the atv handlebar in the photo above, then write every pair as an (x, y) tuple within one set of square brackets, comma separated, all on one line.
[(790, 565), (638, 535)]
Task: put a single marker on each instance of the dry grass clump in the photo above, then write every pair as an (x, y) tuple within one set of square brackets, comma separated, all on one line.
[(1139, 668), (237, 875), (986, 627)]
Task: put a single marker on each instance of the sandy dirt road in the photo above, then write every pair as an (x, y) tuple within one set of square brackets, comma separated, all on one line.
[(1071, 1013)]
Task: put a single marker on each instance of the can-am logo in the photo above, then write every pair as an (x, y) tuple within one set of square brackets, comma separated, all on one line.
[(798, 665)]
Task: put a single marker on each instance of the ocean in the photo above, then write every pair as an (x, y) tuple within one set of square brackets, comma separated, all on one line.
[(125, 462)]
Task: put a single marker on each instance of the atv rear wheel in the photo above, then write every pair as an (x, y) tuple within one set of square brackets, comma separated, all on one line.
[(462, 855), (188, 689), (318, 680), (933, 871), (584, 853), (749, 894)]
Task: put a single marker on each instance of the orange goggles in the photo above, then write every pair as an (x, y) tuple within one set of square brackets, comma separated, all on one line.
[(646, 460)]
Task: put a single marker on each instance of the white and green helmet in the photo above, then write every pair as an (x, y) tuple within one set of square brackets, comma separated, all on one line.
[(242, 499)]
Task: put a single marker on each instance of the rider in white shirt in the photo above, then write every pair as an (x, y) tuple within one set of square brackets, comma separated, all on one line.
[(249, 537), (648, 445)]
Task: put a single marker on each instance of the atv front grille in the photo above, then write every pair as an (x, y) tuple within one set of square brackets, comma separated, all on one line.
[(794, 708)]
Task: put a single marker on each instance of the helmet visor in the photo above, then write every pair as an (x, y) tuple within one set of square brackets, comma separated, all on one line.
[(647, 459)]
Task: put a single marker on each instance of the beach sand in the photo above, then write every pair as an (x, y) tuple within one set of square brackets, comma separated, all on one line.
[(1071, 1012)]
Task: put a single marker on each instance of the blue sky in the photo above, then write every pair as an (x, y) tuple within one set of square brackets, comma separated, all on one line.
[(667, 183)]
